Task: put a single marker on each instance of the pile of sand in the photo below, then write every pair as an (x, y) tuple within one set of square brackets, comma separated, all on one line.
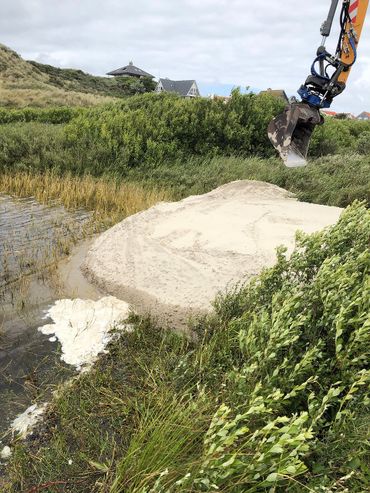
[(181, 254)]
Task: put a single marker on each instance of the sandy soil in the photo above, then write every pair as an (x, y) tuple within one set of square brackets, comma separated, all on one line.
[(176, 257)]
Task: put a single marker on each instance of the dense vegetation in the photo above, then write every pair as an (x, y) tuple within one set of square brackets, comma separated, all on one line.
[(273, 396), (153, 128), (57, 115), (77, 80), (187, 146)]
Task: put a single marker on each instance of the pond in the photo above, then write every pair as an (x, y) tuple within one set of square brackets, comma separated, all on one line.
[(33, 239)]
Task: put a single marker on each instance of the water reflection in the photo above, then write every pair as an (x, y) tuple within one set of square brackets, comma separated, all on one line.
[(33, 238)]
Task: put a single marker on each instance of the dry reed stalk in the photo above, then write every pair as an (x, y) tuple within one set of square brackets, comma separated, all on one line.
[(109, 200)]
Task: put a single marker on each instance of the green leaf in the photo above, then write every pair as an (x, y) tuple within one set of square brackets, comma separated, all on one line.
[(271, 478), (276, 449), (103, 468)]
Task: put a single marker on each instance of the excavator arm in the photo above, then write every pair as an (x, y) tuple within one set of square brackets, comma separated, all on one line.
[(290, 132)]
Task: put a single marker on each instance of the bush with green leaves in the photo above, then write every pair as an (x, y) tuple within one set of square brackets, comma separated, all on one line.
[(291, 360), (337, 136), (363, 143), (55, 115), (271, 396), (157, 128)]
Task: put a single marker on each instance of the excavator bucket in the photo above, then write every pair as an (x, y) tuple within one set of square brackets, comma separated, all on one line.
[(290, 133)]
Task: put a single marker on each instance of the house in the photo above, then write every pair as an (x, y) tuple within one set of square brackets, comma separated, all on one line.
[(278, 93), (185, 88), (130, 71), (364, 116), (345, 116), (330, 113)]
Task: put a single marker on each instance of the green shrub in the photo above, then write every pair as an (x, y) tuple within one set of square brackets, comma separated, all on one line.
[(46, 115), (289, 359), (155, 128), (363, 143), (32, 146), (337, 136), (271, 396)]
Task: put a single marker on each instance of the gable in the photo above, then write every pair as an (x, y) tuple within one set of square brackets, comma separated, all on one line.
[(181, 87), (193, 91), (159, 87)]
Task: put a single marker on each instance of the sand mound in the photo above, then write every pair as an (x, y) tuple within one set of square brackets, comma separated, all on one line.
[(181, 254)]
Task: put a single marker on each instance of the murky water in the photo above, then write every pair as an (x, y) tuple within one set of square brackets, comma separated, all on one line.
[(32, 238)]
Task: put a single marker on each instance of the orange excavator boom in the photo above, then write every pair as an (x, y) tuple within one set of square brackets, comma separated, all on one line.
[(290, 132)]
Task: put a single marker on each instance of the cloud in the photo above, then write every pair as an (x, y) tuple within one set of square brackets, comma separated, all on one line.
[(218, 42)]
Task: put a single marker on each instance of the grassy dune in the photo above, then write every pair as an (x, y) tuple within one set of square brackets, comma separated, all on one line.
[(31, 84), (43, 97), (24, 85)]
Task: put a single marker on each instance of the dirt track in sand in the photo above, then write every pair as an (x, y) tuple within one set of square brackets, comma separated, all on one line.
[(175, 257)]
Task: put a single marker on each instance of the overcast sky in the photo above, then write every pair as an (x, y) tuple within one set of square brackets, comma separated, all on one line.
[(220, 43)]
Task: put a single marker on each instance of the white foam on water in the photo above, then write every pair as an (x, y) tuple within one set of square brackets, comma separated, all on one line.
[(5, 453), (83, 327), (23, 424)]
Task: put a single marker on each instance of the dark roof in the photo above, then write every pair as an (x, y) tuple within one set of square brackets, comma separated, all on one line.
[(179, 86), (279, 93), (130, 69)]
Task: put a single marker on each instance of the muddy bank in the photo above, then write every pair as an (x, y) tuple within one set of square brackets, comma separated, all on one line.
[(175, 257)]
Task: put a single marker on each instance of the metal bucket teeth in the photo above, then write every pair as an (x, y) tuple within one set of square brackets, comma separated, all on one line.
[(290, 133)]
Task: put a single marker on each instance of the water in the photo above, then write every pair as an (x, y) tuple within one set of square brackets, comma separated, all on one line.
[(31, 234), (32, 238)]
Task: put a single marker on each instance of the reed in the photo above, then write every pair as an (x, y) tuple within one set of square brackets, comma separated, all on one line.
[(109, 200), (22, 266)]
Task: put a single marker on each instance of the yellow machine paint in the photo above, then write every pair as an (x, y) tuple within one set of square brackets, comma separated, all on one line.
[(290, 132), (348, 55)]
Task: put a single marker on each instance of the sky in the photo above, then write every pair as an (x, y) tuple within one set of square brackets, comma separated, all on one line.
[(220, 43)]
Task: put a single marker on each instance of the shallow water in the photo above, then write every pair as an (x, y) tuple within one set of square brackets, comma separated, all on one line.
[(32, 237), (31, 233)]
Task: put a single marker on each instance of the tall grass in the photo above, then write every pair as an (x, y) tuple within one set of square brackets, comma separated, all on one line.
[(49, 96), (109, 200), (36, 148)]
